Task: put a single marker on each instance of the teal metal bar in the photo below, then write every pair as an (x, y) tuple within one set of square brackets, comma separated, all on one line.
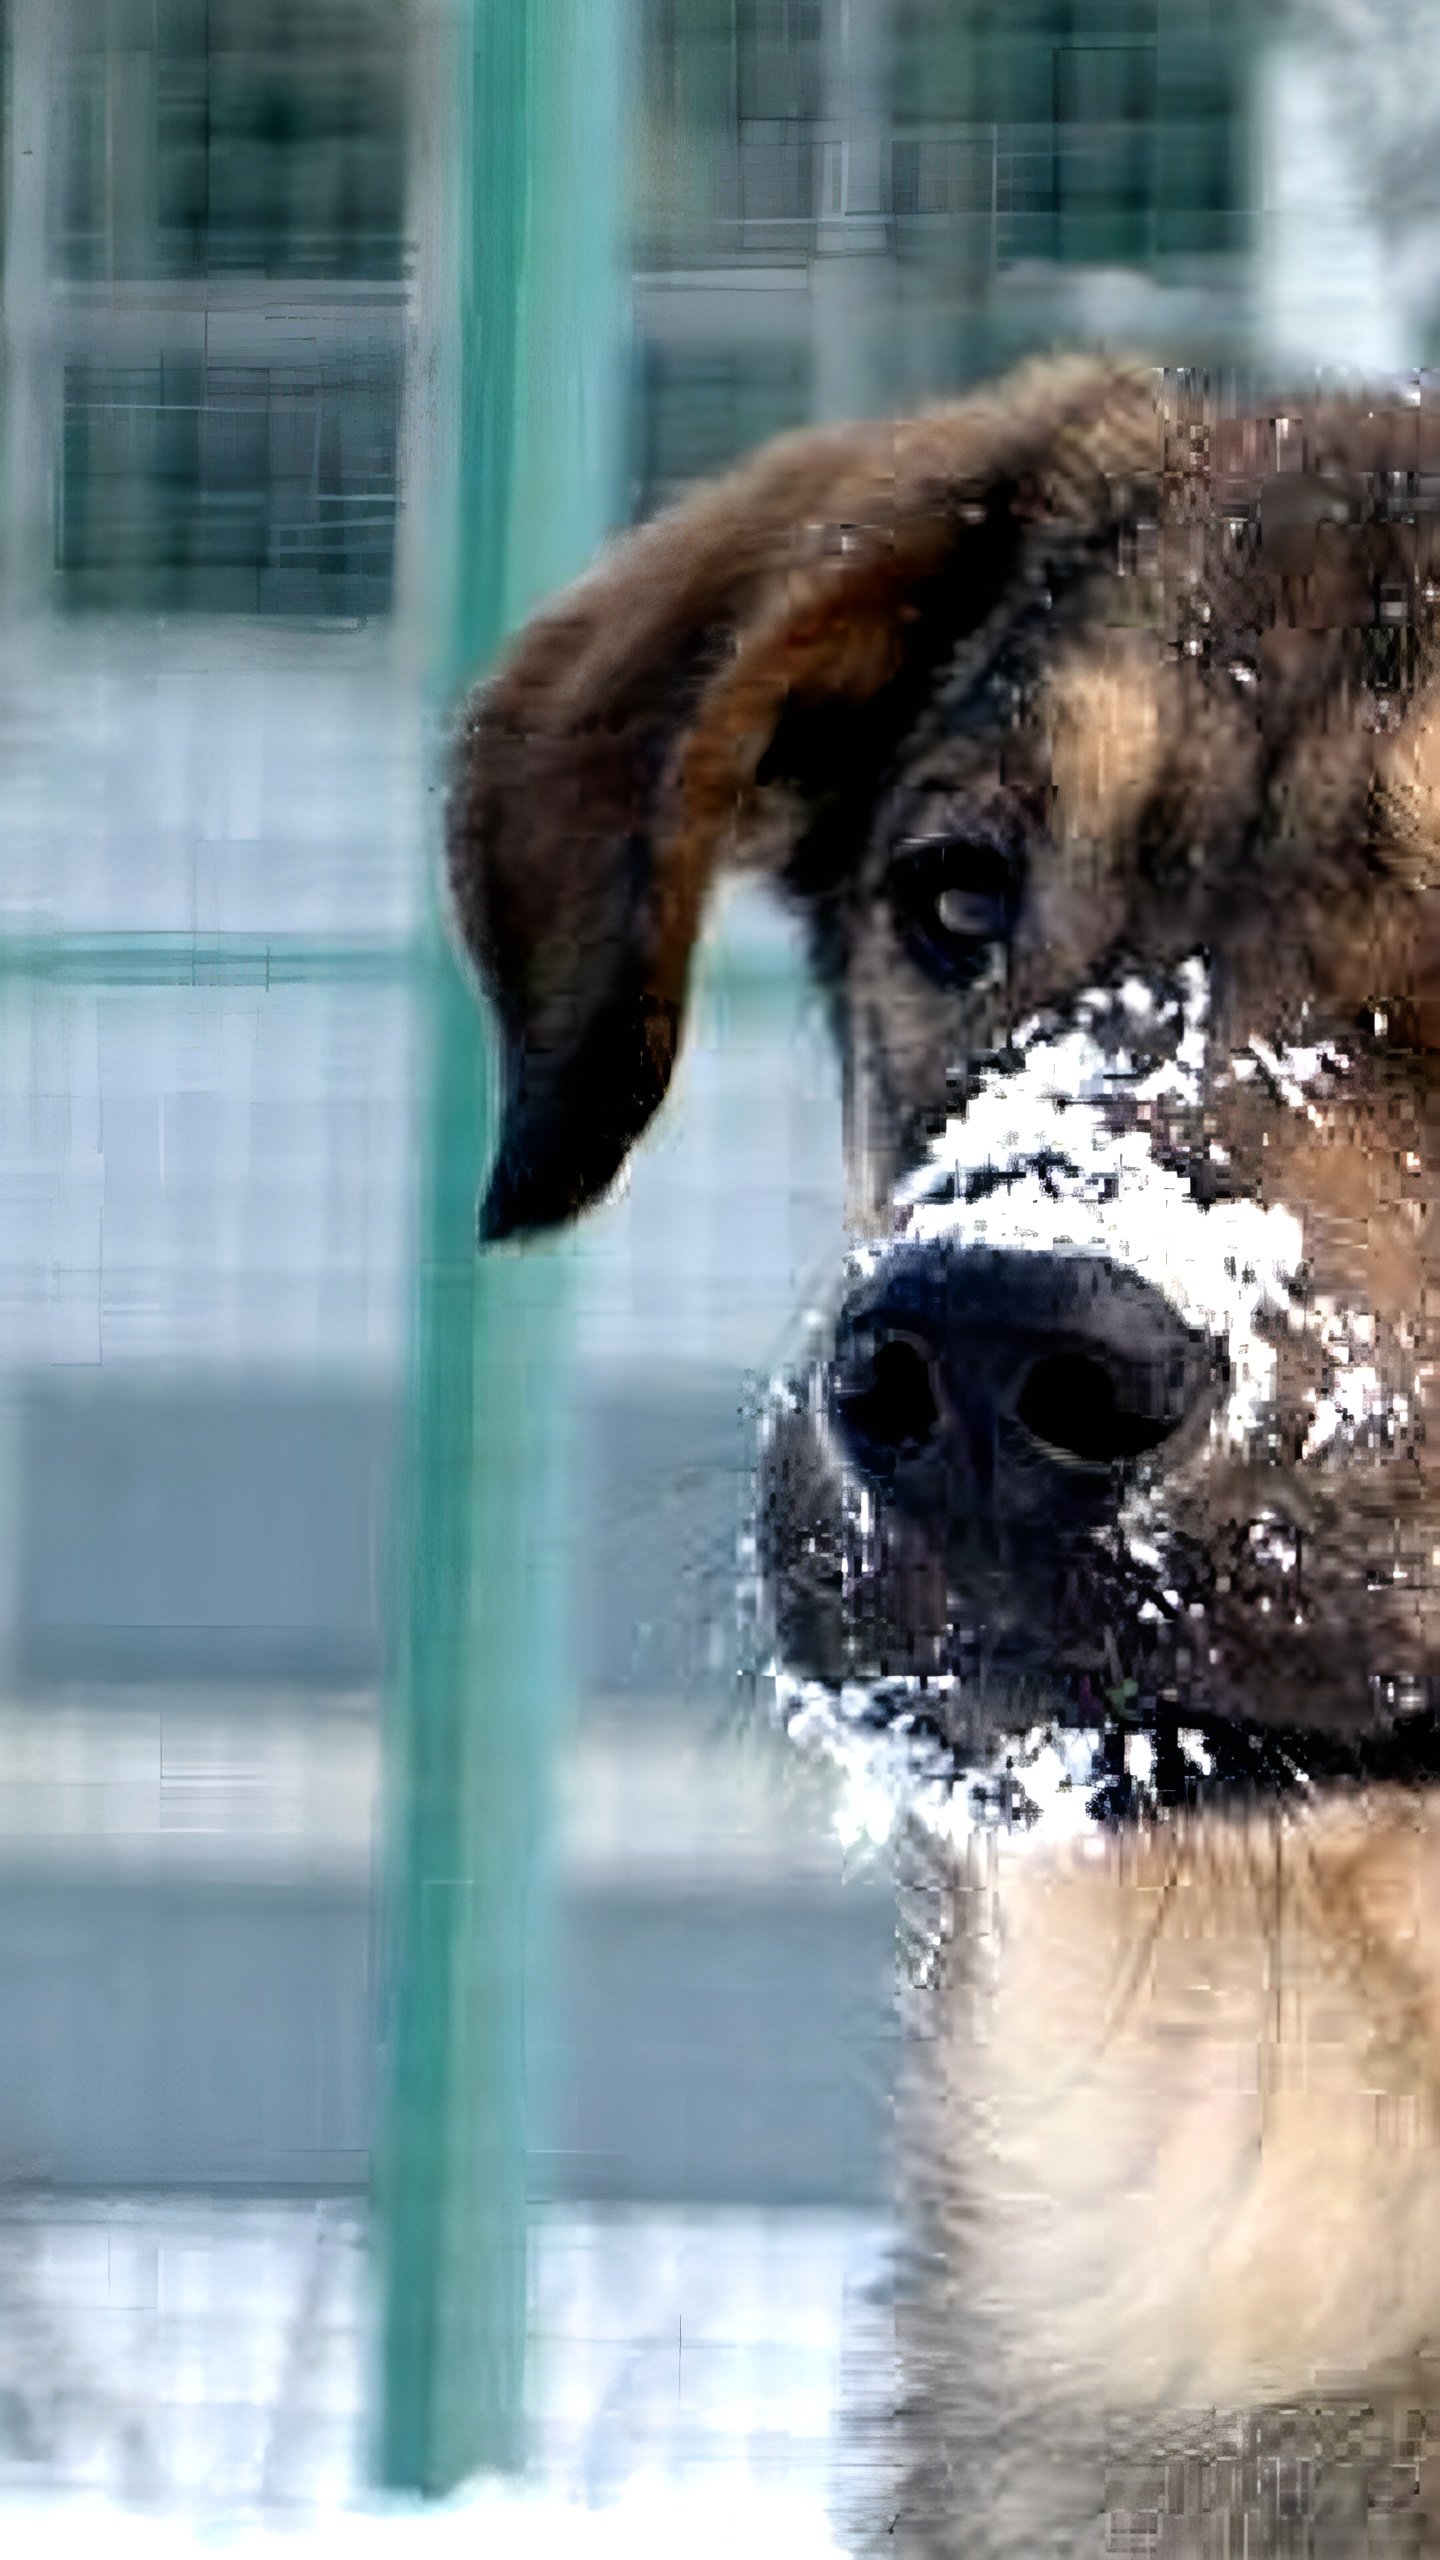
[(209, 960), (265, 961), (539, 374)]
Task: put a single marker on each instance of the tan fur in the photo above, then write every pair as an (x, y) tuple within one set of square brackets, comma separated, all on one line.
[(1369, 1224), (1199, 2071), (1104, 714), (1410, 792), (1107, 718)]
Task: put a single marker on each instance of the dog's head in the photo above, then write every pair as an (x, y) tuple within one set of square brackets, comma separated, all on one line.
[(1097, 734)]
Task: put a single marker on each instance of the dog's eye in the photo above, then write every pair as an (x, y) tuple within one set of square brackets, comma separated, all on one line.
[(954, 900)]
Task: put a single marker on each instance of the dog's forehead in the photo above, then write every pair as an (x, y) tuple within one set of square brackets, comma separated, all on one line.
[(1279, 797), (1278, 572)]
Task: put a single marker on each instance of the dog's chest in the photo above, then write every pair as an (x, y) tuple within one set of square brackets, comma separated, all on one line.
[(1175, 2106)]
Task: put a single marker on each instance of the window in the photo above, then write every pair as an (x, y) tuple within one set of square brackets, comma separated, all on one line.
[(255, 488), (779, 58), (1114, 129), (233, 137), (700, 407)]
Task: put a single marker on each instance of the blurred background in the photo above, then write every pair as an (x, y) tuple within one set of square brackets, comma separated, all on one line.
[(256, 261)]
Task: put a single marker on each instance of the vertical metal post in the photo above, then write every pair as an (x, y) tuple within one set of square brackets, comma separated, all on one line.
[(535, 375), (852, 280), (29, 39)]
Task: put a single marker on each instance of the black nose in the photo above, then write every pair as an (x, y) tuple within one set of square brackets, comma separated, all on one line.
[(1010, 1389)]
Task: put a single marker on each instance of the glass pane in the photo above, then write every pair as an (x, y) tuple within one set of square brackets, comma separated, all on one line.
[(267, 488), (261, 137)]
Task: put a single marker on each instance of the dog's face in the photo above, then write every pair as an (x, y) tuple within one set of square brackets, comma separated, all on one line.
[(1098, 738)]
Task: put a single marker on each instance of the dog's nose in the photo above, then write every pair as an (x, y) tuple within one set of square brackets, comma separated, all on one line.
[(1009, 1389)]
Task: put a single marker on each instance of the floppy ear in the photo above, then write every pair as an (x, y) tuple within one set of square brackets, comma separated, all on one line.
[(654, 724)]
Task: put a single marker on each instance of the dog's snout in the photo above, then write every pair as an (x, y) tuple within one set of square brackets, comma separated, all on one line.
[(1009, 1387)]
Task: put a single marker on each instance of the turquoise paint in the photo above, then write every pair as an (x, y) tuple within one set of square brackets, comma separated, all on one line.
[(539, 376)]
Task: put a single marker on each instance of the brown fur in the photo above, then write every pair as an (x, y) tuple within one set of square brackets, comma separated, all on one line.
[(1170, 2138), (632, 720)]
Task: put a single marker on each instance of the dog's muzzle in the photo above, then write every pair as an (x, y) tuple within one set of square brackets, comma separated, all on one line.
[(1002, 1398), (981, 1537)]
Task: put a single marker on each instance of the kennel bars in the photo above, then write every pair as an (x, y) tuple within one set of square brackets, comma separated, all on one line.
[(523, 446)]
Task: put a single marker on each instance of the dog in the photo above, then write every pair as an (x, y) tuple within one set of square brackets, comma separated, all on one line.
[(1092, 725)]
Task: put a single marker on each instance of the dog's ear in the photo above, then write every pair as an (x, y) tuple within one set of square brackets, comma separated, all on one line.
[(661, 718)]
